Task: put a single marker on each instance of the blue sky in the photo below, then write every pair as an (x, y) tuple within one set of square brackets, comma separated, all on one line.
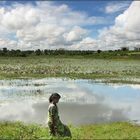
[(92, 8), (95, 18)]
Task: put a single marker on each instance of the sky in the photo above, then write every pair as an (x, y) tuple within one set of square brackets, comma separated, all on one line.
[(72, 25)]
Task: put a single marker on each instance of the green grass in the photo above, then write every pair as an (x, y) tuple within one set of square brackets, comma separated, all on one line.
[(112, 70), (116, 130)]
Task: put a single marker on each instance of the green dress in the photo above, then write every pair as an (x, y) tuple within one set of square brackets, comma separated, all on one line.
[(57, 128)]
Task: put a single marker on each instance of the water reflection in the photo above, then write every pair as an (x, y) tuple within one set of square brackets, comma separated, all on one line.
[(82, 102)]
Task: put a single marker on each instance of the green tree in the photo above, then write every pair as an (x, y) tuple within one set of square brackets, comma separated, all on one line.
[(38, 52)]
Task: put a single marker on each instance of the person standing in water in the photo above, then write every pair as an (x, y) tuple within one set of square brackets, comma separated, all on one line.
[(56, 127)]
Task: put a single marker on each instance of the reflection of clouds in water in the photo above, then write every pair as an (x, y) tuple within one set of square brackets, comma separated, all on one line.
[(134, 114), (85, 114), (31, 111), (135, 86), (116, 86), (17, 110), (82, 101), (71, 91), (76, 93)]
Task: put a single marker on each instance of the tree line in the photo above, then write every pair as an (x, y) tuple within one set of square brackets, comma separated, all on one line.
[(25, 53)]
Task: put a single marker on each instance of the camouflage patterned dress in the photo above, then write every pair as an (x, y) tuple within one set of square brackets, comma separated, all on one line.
[(56, 127)]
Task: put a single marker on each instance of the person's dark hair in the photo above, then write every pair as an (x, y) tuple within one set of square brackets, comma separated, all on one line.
[(54, 95)]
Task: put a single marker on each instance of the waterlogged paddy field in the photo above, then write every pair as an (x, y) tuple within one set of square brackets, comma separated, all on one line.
[(107, 70), (83, 101)]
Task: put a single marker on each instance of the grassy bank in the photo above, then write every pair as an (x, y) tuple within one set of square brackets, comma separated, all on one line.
[(117, 130), (112, 70)]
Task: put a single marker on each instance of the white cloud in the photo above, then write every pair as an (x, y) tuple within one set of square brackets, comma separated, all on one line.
[(76, 34), (2, 11), (130, 19), (87, 43), (45, 25), (50, 26), (64, 16), (114, 7), (20, 17), (125, 31), (7, 43), (40, 32)]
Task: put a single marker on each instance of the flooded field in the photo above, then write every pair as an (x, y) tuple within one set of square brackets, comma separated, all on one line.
[(82, 102), (111, 70)]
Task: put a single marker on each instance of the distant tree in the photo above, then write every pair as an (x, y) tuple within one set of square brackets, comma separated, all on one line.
[(110, 50), (17, 52), (5, 51), (99, 51), (125, 49), (137, 48), (12, 53), (46, 52), (38, 52), (29, 52), (23, 54), (61, 49), (117, 50)]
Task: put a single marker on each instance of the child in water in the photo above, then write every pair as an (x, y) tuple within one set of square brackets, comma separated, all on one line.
[(56, 127)]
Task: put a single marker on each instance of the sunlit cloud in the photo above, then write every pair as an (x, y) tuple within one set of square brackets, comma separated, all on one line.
[(46, 25)]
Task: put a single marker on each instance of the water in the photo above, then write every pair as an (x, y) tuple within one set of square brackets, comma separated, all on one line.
[(82, 102)]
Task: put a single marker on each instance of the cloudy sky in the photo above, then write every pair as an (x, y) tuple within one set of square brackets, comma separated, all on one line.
[(84, 25)]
